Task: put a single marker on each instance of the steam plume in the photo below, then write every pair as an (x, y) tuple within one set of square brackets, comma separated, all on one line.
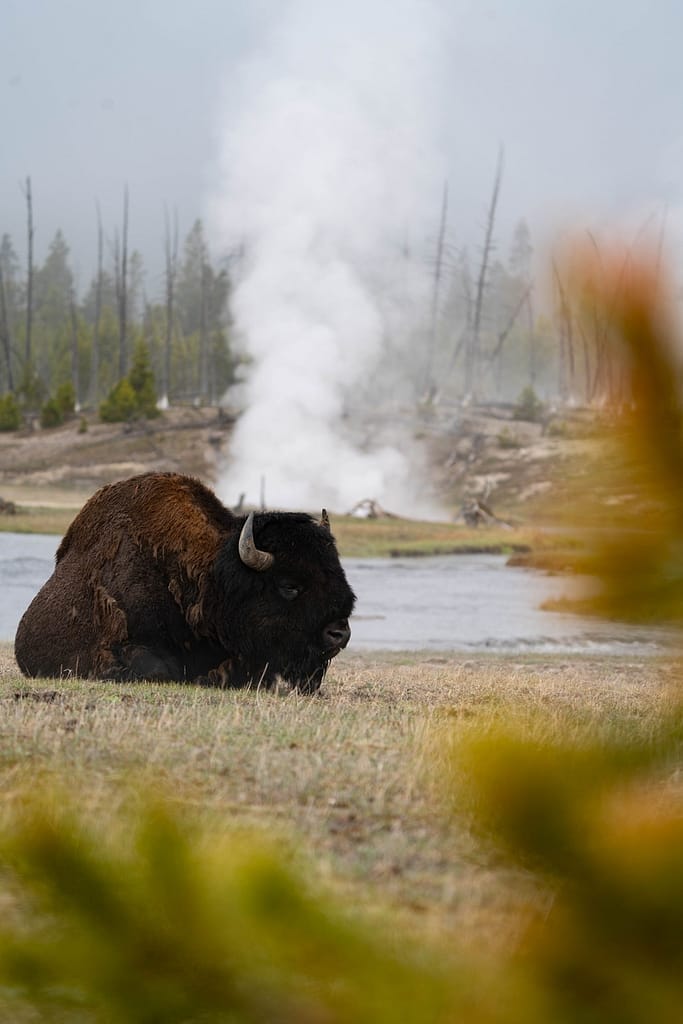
[(330, 182)]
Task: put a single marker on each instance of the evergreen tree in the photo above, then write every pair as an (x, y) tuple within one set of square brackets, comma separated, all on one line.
[(53, 324), (202, 302), (141, 380)]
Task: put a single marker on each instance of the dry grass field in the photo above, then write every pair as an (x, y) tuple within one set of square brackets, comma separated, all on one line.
[(347, 783)]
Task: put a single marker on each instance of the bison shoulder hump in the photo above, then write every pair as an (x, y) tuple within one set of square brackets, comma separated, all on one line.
[(163, 512)]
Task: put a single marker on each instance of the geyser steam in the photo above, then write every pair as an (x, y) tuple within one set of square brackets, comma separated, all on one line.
[(330, 185)]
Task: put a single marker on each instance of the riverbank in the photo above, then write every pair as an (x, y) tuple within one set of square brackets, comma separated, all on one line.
[(51, 510), (529, 478)]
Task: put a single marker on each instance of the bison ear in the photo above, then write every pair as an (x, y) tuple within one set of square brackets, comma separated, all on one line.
[(325, 521), (249, 553)]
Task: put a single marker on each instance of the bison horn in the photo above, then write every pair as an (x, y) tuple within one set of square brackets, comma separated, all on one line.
[(325, 521), (249, 553)]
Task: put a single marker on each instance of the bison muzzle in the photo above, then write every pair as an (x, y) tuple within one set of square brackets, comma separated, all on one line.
[(156, 579)]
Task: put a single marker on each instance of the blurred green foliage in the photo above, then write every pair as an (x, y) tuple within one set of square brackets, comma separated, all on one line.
[(529, 406), (640, 560), (134, 396), (50, 414), (156, 922), (10, 413)]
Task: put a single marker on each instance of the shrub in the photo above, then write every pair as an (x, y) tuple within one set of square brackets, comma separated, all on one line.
[(51, 414), (560, 429), (120, 404), (32, 391), (65, 399), (529, 406), (10, 413), (141, 378), (135, 395), (508, 439)]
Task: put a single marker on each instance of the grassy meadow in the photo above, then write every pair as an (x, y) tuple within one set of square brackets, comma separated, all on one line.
[(171, 853), (349, 782)]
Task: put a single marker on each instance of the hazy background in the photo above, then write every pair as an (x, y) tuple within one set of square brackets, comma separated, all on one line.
[(314, 140), (585, 96)]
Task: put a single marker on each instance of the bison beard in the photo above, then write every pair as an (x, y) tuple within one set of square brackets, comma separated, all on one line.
[(156, 579)]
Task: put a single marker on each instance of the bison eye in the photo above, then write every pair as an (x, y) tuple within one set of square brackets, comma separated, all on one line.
[(288, 590)]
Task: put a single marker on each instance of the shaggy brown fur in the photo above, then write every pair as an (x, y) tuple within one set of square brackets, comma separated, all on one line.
[(148, 583)]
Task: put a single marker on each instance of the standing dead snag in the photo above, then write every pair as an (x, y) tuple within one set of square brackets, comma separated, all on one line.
[(95, 360), (474, 354), (29, 277), (428, 382), (121, 287), (171, 254), (5, 334)]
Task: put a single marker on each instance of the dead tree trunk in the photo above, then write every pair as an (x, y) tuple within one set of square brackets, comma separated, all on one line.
[(464, 338), (533, 354), (171, 251), (5, 334), (95, 361), (472, 381), (586, 363), (566, 361), (121, 283), (203, 334), (512, 319), (428, 382), (75, 375), (29, 277)]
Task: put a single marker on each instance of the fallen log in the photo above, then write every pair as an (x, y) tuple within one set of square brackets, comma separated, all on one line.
[(475, 512), (369, 508)]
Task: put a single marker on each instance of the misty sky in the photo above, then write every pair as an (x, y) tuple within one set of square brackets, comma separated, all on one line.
[(585, 95)]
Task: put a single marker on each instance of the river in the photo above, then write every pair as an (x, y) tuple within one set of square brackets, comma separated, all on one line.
[(450, 603)]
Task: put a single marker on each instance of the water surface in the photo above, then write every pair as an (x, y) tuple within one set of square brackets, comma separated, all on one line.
[(453, 602)]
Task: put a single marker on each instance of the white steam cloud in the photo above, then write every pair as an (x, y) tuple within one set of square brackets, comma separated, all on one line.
[(330, 185)]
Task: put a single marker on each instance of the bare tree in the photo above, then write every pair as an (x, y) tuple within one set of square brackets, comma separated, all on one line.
[(5, 334), (95, 360), (29, 275), (428, 382), (512, 319), (171, 252), (121, 286), (566, 332), (464, 338), (474, 353), (203, 332), (75, 375)]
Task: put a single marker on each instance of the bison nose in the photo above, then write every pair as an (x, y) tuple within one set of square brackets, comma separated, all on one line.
[(337, 634)]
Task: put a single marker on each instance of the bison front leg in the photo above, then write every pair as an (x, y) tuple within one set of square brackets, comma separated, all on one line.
[(225, 676), (130, 662)]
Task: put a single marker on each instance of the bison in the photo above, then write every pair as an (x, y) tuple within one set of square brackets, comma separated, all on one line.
[(156, 579)]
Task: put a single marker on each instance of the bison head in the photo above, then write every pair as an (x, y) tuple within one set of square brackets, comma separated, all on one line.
[(286, 601)]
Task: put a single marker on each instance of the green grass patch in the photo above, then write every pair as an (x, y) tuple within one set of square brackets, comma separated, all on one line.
[(37, 520), (357, 538), (380, 538)]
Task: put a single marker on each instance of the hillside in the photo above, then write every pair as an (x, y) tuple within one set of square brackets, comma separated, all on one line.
[(526, 472), (63, 466)]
